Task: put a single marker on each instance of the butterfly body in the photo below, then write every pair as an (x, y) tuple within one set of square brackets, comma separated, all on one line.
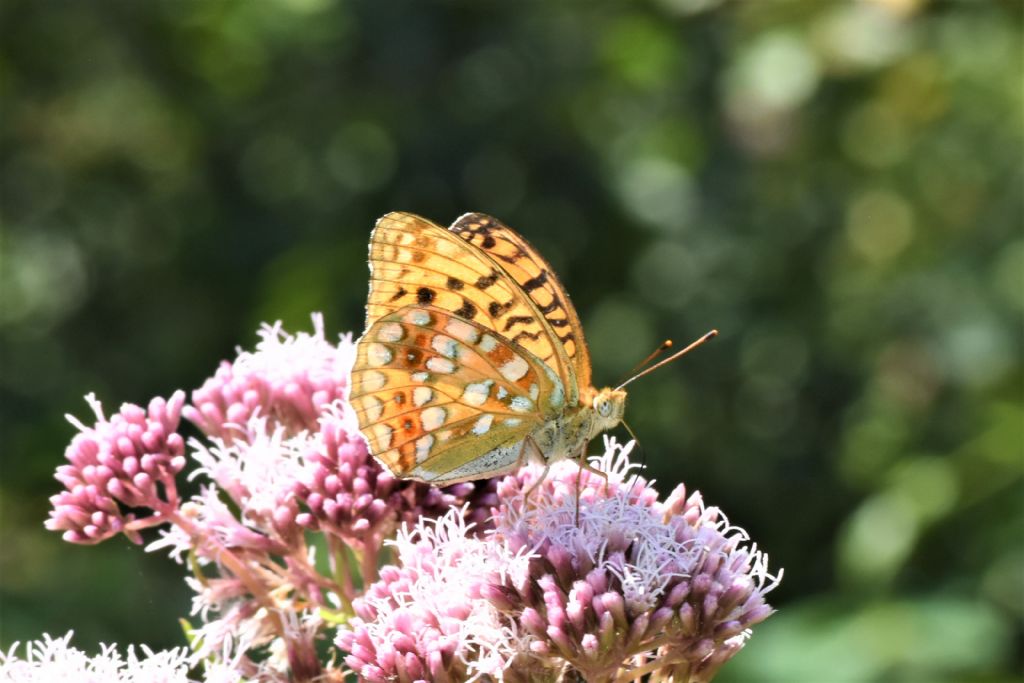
[(564, 436), (473, 359)]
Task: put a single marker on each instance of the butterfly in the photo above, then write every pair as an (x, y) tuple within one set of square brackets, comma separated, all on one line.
[(473, 359)]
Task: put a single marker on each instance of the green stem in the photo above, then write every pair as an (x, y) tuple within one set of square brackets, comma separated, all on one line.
[(368, 563), (342, 572), (239, 568), (640, 671)]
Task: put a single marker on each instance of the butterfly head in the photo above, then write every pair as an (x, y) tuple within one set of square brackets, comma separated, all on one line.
[(609, 406)]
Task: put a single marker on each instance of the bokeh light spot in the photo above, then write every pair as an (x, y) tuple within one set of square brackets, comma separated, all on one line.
[(860, 35), (879, 225), (775, 72), (43, 280), (658, 192), (877, 539), (874, 135)]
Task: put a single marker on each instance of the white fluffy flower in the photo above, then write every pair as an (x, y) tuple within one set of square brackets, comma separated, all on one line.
[(53, 660), (427, 620)]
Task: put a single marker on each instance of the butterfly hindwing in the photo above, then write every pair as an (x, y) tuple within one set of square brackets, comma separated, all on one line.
[(554, 313), (442, 398)]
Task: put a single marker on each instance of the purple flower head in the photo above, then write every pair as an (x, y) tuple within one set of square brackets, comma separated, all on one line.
[(288, 379), (347, 492), (427, 620), (638, 586), (342, 489), (213, 527), (246, 638), (259, 473), (128, 461)]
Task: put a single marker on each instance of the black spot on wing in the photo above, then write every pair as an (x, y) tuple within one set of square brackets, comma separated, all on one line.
[(425, 295), (495, 309), (467, 310), (514, 258), (518, 319), (532, 335), (534, 283), (485, 281), (555, 304)]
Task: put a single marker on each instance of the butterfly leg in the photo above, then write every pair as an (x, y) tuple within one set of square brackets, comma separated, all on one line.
[(543, 475), (584, 465)]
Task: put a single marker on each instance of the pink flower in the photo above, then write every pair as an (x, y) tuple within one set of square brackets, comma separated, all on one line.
[(342, 488), (55, 659), (210, 528), (241, 635), (128, 461), (259, 473), (426, 619), (575, 577), (637, 586), (348, 493), (288, 379)]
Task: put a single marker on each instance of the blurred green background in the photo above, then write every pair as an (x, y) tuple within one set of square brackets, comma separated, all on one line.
[(837, 187)]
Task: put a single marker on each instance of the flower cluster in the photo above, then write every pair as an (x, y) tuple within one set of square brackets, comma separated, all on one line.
[(128, 461), (426, 619), (288, 379), (347, 492), (623, 587), (55, 659), (632, 586), (291, 541)]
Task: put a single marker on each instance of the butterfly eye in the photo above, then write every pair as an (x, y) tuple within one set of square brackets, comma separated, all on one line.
[(604, 408)]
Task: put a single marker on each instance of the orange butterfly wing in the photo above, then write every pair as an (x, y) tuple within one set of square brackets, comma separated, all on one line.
[(415, 261), (471, 344), (538, 281), (443, 399)]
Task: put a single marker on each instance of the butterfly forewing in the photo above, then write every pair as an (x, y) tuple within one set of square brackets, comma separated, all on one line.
[(472, 352), (554, 314), (416, 262), (443, 398)]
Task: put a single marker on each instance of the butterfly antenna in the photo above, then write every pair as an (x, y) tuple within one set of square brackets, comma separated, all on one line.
[(710, 335), (665, 346)]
